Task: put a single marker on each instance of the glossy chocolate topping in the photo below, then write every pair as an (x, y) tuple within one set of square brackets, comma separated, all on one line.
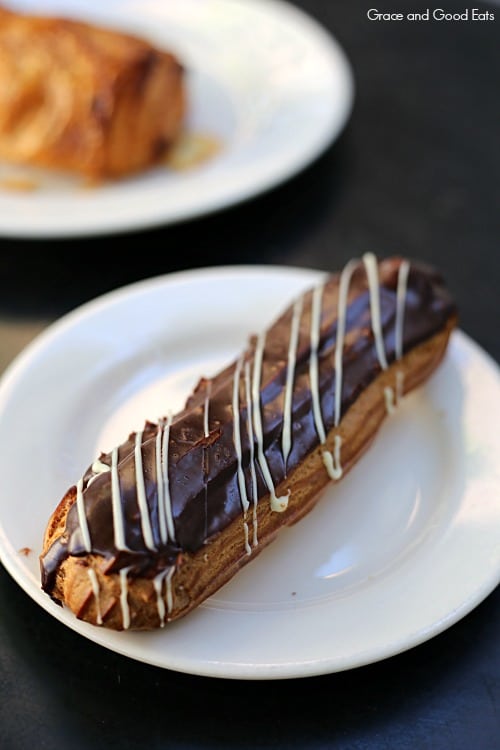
[(185, 479)]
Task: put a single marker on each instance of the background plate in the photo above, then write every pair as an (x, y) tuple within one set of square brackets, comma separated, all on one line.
[(275, 98), (403, 547)]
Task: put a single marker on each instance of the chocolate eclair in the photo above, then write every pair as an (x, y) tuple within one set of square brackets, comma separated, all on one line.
[(161, 522)]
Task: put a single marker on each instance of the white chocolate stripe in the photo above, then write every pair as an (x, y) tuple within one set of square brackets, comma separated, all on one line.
[(161, 487), (286, 440), (164, 575), (166, 485), (344, 281), (206, 428), (124, 598), (390, 405), (237, 435), (401, 292), (278, 504), (116, 502), (160, 604), (253, 474), (331, 462), (170, 596), (95, 590), (370, 262), (313, 361), (147, 531), (82, 518), (98, 467), (238, 449)]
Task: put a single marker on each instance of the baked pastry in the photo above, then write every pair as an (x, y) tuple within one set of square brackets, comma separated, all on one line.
[(85, 99), (160, 523)]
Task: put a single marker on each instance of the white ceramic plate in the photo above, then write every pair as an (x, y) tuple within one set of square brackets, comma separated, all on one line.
[(400, 549), (268, 81)]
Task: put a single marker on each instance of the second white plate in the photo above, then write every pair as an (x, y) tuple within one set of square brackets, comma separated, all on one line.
[(274, 98), (400, 549)]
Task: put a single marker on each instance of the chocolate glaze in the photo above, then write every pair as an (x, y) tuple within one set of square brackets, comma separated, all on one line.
[(202, 469)]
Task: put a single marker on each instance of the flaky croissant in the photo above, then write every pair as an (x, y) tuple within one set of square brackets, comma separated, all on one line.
[(86, 99)]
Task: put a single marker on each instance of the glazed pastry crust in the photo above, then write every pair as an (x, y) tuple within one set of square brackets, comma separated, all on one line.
[(197, 576), (84, 99)]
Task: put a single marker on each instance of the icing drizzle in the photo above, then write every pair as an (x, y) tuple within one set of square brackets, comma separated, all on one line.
[(332, 466), (147, 531), (372, 274), (124, 597), (237, 446), (278, 504), (286, 439), (253, 474), (167, 500), (116, 501), (401, 292), (206, 408), (164, 575), (82, 518)]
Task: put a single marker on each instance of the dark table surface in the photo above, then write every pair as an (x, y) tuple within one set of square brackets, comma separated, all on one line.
[(416, 171)]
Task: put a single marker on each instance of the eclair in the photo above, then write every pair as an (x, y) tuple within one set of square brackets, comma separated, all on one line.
[(159, 524)]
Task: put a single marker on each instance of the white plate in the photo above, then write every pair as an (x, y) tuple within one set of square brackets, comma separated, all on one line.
[(400, 549), (266, 79)]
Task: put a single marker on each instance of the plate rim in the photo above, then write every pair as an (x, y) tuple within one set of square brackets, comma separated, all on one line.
[(223, 670), (85, 225)]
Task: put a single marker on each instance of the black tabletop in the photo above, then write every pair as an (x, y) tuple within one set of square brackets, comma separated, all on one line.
[(415, 171)]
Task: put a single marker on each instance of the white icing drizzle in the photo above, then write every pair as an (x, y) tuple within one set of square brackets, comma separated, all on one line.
[(82, 518), (208, 393), (332, 461), (278, 504), (170, 597), (147, 531), (390, 403), (98, 468), (164, 475), (253, 474), (337, 444), (124, 598), (160, 486), (403, 272), (370, 262), (160, 604), (328, 459), (164, 575), (238, 449), (313, 360), (246, 536), (237, 435), (95, 590), (116, 502), (402, 288), (286, 440), (344, 281)]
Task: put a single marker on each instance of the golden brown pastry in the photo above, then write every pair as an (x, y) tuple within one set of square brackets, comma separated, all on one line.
[(89, 100), (165, 519)]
